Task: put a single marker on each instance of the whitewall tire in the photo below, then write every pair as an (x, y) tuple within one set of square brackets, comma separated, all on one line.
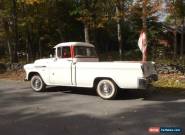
[(107, 89), (37, 83)]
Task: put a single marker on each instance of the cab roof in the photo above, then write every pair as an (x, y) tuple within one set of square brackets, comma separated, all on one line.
[(74, 44)]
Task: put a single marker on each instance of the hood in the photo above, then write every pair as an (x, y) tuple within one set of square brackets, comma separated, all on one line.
[(43, 61)]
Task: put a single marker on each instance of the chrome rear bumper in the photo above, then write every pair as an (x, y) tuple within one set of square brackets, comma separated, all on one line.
[(152, 78), (143, 83)]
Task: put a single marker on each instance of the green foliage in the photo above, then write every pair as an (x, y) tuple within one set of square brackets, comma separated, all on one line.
[(170, 81), (175, 11), (170, 61), (44, 23), (133, 55)]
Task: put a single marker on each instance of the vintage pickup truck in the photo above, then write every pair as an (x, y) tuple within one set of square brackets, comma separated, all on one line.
[(76, 64)]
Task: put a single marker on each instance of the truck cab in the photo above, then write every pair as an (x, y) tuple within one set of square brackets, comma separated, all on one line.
[(66, 57), (76, 52)]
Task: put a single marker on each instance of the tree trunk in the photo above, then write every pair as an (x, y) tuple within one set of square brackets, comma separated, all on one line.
[(119, 32), (27, 51), (7, 31), (28, 45), (86, 32), (175, 43), (40, 47), (10, 51), (27, 33), (14, 10), (175, 33), (182, 40)]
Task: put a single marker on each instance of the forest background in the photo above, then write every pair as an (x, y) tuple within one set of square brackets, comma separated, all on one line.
[(29, 29)]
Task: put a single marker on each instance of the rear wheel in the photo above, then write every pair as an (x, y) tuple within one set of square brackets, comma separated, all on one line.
[(107, 89), (37, 84)]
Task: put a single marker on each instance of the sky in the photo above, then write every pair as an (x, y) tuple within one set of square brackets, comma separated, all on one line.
[(163, 12)]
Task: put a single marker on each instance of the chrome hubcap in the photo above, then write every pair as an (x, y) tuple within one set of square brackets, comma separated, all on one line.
[(37, 83), (106, 89)]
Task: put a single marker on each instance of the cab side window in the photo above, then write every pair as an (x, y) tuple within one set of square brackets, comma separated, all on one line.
[(66, 52)]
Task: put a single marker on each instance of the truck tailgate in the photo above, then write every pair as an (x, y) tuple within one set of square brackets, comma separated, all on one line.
[(149, 71)]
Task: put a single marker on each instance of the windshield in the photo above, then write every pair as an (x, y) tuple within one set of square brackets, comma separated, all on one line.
[(82, 51)]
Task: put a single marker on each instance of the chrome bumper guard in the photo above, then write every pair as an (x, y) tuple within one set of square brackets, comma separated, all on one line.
[(152, 78), (144, 82)]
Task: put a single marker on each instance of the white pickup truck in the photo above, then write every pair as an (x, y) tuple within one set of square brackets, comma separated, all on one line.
[(76, 64)]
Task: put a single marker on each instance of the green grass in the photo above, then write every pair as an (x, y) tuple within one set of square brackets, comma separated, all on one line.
[(170, 81)]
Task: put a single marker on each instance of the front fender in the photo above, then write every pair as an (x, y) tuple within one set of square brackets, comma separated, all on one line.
[(31, 70)]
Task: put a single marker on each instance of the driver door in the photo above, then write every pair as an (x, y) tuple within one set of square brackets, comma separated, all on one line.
[(61, 67)]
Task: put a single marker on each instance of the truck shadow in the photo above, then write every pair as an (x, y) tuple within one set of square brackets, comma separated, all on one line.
[(165, 94), (73, 90), (153, 94)]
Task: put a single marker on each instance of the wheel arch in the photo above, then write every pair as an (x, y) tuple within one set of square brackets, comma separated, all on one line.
[(98, 79), (31, 74)]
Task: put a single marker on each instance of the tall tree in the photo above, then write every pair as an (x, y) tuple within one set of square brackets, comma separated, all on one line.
[(15, 30), (7, 31), (147, 12), (84, 10), (119, 30), (176, 16), (92, 13), (180, 9), (117, 11)]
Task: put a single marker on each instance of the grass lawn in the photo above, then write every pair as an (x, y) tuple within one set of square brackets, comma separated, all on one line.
[(170, 81)]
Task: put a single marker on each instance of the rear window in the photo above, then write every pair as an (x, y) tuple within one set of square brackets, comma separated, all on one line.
[(83, 51)]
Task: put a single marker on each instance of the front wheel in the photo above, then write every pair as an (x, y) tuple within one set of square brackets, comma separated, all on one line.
[(37, 83), (106, 89)]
